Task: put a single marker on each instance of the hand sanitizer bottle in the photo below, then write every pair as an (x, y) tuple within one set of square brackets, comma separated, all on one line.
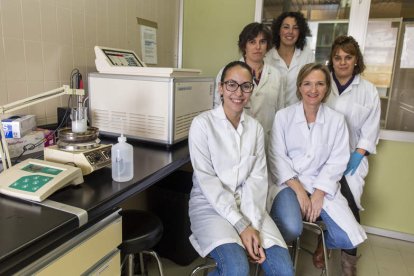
[(122, 155)]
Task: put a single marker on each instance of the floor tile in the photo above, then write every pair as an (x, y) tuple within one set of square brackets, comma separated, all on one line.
[(366, 263), (405, 246), (383, 242), (388, 261)]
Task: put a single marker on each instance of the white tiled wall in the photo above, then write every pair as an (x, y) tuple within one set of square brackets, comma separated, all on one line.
[(41, 41)]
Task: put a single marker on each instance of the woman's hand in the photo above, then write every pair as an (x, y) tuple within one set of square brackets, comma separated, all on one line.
[(354, 161), (251, 241), (317, 203), (304, 203), (302, 196)]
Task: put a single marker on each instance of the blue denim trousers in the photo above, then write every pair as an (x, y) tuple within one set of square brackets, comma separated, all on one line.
[(287, 215), (232, 260)]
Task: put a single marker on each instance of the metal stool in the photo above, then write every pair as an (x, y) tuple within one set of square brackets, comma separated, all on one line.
[(318, 228), (141, 230), (205, 267)]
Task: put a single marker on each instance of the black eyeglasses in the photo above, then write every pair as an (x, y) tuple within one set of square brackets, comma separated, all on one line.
[(232, 86)]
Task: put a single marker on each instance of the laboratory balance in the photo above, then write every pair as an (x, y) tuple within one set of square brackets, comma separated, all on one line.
[(81, 149)]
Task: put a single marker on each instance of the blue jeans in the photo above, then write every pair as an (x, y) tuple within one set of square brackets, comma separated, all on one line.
[(287, 215), (288, 218), (232, 260)]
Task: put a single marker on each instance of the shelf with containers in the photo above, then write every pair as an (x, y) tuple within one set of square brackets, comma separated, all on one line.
[(379, 57)]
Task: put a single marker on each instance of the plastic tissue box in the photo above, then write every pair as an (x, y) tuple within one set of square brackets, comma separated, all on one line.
[(18, 126)]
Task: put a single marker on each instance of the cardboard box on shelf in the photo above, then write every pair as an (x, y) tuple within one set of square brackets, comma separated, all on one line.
[(34, 137), (18, 126)]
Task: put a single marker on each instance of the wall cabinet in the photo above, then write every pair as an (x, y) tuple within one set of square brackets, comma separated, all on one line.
[(326, 34)]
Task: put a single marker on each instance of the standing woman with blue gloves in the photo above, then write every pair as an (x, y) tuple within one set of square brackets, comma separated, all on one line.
[(358, 100)]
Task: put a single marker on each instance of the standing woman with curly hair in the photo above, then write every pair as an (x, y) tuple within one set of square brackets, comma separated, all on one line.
[(290, 53)]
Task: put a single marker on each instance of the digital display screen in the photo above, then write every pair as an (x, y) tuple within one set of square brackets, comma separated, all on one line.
[(121, 58), (35, 168)]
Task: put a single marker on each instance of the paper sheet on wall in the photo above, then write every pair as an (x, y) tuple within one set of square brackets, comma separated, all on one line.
[(407, 54), (149, 44)]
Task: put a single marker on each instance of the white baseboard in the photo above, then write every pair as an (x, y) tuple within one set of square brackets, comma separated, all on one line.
[(389, 233)]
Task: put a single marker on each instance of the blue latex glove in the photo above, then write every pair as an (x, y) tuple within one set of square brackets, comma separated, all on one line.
[(353, 162)]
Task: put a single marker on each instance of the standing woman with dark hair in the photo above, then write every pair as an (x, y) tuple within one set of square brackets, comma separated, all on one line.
[(290, 53), (358, 100), (267, 98), (227, 202)]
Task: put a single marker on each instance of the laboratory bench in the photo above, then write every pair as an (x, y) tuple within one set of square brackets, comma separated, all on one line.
[(29, 230)]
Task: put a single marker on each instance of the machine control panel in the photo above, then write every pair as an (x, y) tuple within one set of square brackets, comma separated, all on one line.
[(99, 158), (88, 160)]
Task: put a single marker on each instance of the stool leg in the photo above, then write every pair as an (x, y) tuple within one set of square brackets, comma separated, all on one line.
[(205, 267), (130, 265), (325, 252), (155, 255), (142, 264), (256, 270), (296, 247)]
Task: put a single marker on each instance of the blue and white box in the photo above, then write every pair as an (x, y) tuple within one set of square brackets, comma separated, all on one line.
[(18, 126)]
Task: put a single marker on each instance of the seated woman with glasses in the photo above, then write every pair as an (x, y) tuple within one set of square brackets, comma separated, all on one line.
[(308, 153), (254, 42), (227, 211)]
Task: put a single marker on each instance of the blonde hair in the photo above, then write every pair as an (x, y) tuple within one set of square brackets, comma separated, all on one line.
[(306, 70)]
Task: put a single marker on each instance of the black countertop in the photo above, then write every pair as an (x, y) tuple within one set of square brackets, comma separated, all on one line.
[(29, 230)]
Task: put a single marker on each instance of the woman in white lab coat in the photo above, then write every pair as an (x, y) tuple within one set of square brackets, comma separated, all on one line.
[(290, 53), (308, 153), (227, 202), (268, 94), (357, 99)]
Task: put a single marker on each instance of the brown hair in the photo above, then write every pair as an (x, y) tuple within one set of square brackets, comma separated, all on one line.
[(349, 45), (250, 32)]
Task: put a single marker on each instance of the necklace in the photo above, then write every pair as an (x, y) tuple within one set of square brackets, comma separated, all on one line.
[(257, 74)]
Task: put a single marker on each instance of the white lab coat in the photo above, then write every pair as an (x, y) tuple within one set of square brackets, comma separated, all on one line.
[(290, 74), (318, 156), (361, 106), (229, 181), (267, 98)]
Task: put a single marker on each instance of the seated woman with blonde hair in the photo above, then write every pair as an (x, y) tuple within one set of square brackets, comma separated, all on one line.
[(308, 153)]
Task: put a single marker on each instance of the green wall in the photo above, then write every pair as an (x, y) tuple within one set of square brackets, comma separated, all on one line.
[(388, 196), (211, 30)]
